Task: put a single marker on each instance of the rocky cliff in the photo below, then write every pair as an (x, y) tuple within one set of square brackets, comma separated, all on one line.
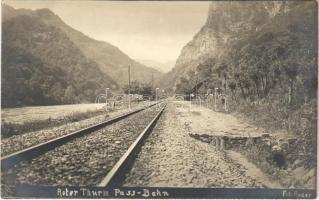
[(226, 23)]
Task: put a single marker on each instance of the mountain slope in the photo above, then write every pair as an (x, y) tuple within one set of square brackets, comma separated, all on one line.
[(163, 67), (44, 66), (112, 61), (226, 23), (268, 73)]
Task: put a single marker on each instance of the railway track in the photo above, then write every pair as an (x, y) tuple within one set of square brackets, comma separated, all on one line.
[(117, 174), (29, 153), (109, 166)]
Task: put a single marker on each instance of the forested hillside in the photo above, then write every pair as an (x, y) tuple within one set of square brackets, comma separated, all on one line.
[(269, 74), (41, 66), (281, 54), (109, 58), (45, 61)]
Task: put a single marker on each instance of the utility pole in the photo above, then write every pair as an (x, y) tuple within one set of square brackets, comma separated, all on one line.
[(152, 80), (152, 84), (196, 86), (225, 103), (156, 93), (106, 89), (129, 86), (215, 99)]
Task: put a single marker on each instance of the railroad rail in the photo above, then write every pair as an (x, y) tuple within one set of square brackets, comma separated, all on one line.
[(29, 153), (117, 174)]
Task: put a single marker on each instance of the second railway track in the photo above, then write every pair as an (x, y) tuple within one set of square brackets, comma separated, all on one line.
[(86, 160)]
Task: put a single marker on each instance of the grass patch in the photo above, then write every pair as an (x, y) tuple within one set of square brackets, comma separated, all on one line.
[(9, 129)]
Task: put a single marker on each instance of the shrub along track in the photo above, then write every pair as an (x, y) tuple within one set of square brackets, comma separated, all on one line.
[(83, 161)]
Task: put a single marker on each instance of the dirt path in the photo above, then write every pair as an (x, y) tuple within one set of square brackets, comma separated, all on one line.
[(203, 120), (172, 158)]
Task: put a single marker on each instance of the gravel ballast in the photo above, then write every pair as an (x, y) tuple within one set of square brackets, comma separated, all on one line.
[(19, 142), (171, 158), (84, 161)]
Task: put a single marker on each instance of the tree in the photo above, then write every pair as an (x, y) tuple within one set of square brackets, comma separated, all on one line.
[(70, 95), (291, 72), (57, 92), (138, 88), (232, 87)]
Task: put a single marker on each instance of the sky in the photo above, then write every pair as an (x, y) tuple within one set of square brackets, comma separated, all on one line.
[(156, 30)]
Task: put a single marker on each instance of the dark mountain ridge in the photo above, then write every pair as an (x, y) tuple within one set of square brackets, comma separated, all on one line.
[(110, 59), (82, 67), (40, 61)]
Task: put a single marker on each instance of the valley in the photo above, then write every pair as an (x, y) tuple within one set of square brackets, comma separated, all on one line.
[(236, 110)]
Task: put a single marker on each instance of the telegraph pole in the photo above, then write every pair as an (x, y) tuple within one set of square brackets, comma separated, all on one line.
[(156, 93), (215, 99), (129, 86), (152, 80), (196, 86), (152, 84), (106, 89)]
